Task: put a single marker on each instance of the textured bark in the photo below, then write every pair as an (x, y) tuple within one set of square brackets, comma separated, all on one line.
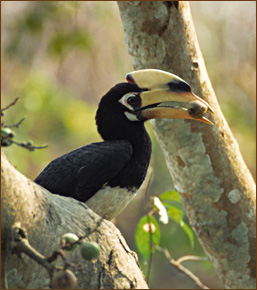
[(46, 217), (217, 189)]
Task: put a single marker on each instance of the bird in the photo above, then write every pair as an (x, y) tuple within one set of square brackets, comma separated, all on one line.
[(106, 175)]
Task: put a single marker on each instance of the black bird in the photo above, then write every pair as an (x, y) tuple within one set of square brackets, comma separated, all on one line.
[(106, 175)]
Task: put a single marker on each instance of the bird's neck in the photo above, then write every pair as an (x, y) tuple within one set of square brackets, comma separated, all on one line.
[(142, 145), (133, 174)]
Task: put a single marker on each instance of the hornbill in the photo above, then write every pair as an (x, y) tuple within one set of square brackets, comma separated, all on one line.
[(106, 175)]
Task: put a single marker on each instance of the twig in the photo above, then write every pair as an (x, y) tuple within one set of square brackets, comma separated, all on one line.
[(99, 222), (149, 213), (68, 245), (177, 264), (14, 125), (151, 248), (146, 200), (56, 253), (22, 245), (10, 105), (190, 258), (7, 139), (27, 145)]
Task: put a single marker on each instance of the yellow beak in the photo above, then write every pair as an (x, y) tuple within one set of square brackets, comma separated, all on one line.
[(167, 96)]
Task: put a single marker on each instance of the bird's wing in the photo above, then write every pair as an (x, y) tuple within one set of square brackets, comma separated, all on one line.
[(82, 172)]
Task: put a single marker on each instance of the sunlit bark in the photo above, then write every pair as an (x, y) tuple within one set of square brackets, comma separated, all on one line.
[(46, 217), (216, 187)]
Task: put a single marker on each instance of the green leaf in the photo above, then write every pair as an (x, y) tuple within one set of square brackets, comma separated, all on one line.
[(143, 236), (170, 196), (188, 232), (175, 213)]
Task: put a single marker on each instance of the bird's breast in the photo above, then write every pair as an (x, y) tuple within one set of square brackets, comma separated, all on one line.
[(108, 202)]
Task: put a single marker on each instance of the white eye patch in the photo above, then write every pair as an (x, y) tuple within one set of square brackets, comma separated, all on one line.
[(126, 101), (125, 98), (131, 116)]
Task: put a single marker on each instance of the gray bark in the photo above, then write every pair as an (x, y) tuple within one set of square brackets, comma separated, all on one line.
[(46, 217), (217, 189)]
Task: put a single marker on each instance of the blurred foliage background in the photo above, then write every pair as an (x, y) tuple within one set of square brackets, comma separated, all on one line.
[(60, 57)]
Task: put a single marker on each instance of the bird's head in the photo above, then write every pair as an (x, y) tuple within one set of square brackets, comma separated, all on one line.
[(149, 94)]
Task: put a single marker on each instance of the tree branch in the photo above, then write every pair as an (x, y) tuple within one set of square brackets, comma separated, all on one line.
[(177, 264), (216, 187), (46, 217)]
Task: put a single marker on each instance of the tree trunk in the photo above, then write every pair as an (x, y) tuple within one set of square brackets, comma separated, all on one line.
[(46, 217), (216, 187)]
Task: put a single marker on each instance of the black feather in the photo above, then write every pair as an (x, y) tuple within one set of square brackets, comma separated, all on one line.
[(85, 170)]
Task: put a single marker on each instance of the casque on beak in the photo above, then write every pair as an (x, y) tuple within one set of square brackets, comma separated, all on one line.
[(167, 96)]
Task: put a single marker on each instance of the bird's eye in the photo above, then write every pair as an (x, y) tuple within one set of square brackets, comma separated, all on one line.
[(133, 100)]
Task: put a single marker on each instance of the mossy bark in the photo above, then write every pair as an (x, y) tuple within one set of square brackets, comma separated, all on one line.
[(217, 189), (46, 217)]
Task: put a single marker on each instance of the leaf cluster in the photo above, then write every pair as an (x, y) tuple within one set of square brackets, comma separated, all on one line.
[(148, 233)]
